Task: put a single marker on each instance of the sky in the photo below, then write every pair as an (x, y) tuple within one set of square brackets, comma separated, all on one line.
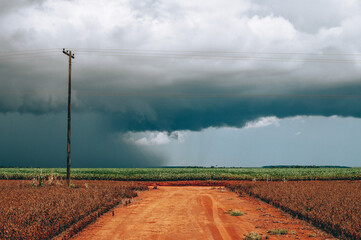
[(239, 83)]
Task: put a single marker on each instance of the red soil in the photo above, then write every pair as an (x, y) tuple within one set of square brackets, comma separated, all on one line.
[(196, 213), (188, 183)]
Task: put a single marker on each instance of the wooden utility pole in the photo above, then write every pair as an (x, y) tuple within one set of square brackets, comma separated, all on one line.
[(68, 53)]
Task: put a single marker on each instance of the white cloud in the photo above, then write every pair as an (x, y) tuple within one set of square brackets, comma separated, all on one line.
[(154, 138), (186, 25), (263, 122), (157, 138), (298, 133), (272, 28)]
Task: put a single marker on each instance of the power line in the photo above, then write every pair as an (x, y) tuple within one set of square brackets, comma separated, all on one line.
[(233, 58), (42, 56), (27, 52), (212, 52), (297, 57)]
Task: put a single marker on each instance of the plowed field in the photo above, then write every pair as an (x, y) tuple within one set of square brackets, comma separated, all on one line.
[(197, 213)]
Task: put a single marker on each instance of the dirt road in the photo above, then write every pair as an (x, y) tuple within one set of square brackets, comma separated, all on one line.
[(196, 213)]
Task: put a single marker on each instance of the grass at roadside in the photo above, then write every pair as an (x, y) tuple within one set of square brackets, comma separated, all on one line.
[(278, 231), (253, 236)]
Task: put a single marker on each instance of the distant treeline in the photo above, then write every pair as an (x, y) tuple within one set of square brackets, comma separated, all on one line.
[(270, 166), (303, 166)]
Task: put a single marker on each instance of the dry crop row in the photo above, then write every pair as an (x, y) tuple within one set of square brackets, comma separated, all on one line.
[(332, 205), (28, 211)]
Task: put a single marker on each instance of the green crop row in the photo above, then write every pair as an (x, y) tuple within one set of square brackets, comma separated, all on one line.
[(179, 174)]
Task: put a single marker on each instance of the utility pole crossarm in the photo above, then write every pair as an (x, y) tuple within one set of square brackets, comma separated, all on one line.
[(70, 55), (67, 52)]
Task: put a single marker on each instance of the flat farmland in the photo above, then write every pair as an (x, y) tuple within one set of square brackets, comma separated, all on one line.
[(331, 205), (28, 211), (186, 174), (184, 201)]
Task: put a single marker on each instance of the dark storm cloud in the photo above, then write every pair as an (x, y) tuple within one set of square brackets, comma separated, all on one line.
[(40, 141), (199, 111), (197, 98), (134, 98)]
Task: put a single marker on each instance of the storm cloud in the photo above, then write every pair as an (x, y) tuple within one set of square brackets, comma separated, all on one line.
[(169, 100), (38, 141)]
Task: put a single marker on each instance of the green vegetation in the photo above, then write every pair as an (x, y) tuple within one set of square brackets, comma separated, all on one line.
[(278, 231), (181, 174), (253, 236), (236, 213)]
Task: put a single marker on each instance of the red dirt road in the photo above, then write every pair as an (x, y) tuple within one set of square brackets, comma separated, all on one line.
[(196, 213)]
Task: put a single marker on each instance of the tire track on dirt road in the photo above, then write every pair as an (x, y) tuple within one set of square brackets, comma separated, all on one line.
[(194, 213), (217, 221), (145, 215)]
